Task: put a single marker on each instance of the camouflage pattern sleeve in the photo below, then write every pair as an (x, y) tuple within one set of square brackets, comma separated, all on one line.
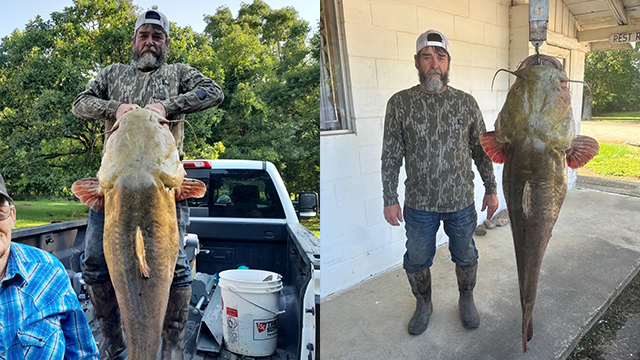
[(392, 150), (199, 93), (93, 103), (481, 159)]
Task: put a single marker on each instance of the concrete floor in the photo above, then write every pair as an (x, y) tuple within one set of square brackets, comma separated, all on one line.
[(593, 254)]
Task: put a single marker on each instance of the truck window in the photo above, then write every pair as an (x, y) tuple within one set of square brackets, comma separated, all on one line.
[(241, 194)]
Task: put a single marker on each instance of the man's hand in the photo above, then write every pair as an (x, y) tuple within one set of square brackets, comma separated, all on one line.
[(393, 214), (157, 108), (125, 108), (491, 203)]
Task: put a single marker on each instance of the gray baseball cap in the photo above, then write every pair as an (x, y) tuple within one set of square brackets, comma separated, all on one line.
[(3, 190), (432, 38), (153, 17)]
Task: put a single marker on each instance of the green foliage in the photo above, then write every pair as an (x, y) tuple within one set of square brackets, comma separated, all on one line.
[(614, 77), (268, 71), (616, 160), (271, 88)]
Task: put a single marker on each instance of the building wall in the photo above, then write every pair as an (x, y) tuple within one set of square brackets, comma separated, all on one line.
[(380, 38)]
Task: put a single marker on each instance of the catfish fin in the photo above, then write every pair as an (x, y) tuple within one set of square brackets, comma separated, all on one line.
[(583, 149), (190, 188), (492, 147), (527, 334), (89, 192), (527, 194), (140, 252)]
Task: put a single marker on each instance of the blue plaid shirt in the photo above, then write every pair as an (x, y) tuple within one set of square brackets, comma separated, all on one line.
[(40, 316)]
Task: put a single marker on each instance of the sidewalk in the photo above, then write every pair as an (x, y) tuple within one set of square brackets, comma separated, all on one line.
[(593, 254)]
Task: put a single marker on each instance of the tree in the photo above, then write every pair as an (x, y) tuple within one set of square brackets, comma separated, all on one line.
[(614, 78), (261, 59), (271, 106)]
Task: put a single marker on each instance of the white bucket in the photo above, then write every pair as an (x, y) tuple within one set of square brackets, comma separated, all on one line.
[(250, 309)]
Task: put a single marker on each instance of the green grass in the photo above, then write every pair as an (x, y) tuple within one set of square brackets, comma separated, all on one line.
[(631, 116), (616, 160), (42, 212), (313, 225)]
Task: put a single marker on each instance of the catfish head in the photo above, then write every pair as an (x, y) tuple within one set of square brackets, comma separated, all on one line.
[(538, 107), (140, 152), (537, 113)]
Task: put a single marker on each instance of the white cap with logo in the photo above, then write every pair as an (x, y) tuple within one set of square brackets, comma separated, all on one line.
[(432, 38), (153, 17)]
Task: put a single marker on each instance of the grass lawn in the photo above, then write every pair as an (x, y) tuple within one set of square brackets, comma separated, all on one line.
[(616, 160), (42, 212), (632, 116), (313, 225)]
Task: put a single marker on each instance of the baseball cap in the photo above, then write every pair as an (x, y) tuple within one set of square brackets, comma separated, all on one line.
[(153, 17), (3, 190), (432, 38)]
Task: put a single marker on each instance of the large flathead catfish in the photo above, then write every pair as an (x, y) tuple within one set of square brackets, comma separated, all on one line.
[(138, 183), (534, 134)]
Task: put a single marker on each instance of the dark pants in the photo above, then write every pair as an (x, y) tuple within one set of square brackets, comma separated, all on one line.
[(95, 267), (421, 228)]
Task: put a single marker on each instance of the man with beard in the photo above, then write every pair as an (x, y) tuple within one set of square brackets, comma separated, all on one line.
[(436, 130), (172, 91)]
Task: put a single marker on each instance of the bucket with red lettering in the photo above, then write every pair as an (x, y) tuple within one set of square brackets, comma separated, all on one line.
[(250, 309)]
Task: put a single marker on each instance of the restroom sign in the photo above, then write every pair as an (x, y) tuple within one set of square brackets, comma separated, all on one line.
[(624, 38)]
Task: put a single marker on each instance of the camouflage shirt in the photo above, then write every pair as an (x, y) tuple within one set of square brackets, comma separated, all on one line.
[(437, 135), (179, 87)]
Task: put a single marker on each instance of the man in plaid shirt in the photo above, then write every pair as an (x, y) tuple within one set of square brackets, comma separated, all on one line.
[(40, 316)]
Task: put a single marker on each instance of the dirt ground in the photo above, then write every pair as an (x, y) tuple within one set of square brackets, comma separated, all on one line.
[(612, 132), (606, 340)]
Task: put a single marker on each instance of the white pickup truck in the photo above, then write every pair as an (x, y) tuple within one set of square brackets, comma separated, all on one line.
[(245, 219)]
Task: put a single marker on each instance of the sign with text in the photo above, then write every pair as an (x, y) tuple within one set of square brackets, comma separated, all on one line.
[(623, 38)]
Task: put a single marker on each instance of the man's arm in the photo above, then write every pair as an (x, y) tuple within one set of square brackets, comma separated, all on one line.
[(483, 163), (64, 306), (93, 103), (392, 155), (201, 93), (79, 342)]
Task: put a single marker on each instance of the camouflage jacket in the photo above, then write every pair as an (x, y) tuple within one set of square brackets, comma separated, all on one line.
[(437, 135), (179, 87)]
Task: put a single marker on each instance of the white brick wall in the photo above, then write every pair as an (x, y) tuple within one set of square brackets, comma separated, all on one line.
[(485, 35), (394, 15)]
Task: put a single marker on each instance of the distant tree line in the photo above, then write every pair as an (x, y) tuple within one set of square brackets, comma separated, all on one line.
[(266, 60), (614, 77)]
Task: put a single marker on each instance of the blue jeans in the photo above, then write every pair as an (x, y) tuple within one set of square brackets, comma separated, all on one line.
[(421, 228), (95, 267)]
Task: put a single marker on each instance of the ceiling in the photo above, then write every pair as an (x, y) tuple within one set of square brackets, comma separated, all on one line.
[(598, 20)]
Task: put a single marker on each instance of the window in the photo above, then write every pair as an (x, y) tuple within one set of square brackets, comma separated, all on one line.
[(240, 194), (335, 99)]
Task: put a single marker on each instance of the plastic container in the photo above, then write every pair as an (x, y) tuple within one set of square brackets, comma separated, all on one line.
[(250, 309)]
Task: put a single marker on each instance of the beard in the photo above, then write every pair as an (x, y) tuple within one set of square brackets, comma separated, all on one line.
[(434, 84), (151, 60)]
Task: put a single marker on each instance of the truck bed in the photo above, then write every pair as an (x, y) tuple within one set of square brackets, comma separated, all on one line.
[(271, 245)]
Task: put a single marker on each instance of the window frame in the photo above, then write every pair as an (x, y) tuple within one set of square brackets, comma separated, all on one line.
[(331, 13)]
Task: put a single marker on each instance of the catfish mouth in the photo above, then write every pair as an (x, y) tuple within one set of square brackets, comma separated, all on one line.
[(541, 59)]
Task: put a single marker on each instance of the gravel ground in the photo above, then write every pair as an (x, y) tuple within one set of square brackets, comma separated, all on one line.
[(615, 335)]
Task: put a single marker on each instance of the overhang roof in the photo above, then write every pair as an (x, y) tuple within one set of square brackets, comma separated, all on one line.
[(598, 20)]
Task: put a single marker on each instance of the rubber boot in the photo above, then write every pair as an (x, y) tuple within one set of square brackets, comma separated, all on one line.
[(175, 321), (466, 282), (420, 282), (105, 307)]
